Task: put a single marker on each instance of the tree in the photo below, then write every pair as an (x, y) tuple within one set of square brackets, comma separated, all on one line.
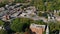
[(40, 14), (20, 24), (2, 4), (54, 26), (50, 6), (59, 13), (16, 25), (1, 22), (46, 5), (38, 4), (3, 32), (20, 1), (40, 22)]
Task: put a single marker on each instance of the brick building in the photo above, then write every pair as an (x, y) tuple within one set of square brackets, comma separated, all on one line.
[(37, 29)]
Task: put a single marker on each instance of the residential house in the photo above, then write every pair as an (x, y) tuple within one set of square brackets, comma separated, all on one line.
[(6, 17), (2, 9)]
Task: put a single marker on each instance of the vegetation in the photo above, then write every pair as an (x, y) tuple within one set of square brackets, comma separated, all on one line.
[(54, 27), (59, 13), (2, 4), (40, 22), (1, 23), (20, 1), (3, 32), (46, 5), (20, 24)]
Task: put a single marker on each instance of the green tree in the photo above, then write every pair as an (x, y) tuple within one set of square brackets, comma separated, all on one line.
[(48, 5), (20, 1), (2, 4), (40, 22), (19, 24), (1, 22), (3, 32), (38, 4), (54, 26)]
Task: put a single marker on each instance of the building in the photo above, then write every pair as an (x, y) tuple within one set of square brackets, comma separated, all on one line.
[(2, 9), (29, 12), (58, 18), (51, 18), (32, 8), (37, 29), (6, 17)]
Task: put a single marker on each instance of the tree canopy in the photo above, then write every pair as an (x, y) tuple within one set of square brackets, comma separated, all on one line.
[(1, 22), (3, 32), (54, 26), (46, 4), (19, 24)]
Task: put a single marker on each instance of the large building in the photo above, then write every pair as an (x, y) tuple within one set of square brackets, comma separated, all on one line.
[(37, 29)]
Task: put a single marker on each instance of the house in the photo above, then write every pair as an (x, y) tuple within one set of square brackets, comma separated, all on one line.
[(24, 15), (51, 17), (2, 9), (1, 27), (32, 8), (56, 12), (15, 14), (58, 18), (6, 17), (6, 5), (10, 8), (37, 29), (28, 12)]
